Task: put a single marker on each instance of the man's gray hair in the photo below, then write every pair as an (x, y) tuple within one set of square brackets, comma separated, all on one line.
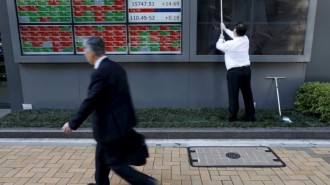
[(95, 45)]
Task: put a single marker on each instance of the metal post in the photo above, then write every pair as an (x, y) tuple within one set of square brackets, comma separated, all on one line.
[(277, 93)]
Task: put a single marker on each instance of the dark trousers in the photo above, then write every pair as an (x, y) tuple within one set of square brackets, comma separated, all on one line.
[(102, 160), (239, 78)]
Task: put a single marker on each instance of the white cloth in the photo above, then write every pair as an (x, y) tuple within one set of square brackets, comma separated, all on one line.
[(98, 62), (236, 50)]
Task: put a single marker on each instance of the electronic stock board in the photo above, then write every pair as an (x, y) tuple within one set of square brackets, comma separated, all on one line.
[(127, 27)]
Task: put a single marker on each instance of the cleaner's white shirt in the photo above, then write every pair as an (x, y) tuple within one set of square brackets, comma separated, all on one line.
[(236, 50)]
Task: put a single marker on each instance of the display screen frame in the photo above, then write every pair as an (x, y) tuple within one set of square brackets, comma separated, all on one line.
[(79, 58)]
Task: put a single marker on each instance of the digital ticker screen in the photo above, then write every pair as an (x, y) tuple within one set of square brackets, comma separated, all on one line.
[(154, 11), (101, 11), (44, 11), (44, 39), (114, 36), (127, 26), (155, 39)]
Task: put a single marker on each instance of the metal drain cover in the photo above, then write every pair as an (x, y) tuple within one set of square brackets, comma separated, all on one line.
[(233, 157)]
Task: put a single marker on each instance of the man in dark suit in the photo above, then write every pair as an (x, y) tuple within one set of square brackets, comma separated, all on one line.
[(118, 145)]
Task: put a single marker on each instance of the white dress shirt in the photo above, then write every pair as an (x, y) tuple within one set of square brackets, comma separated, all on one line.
[(236, 50), (98, 62)]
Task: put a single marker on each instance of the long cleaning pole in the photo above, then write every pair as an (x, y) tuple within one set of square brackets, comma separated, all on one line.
[(221, 15), (278, 98), (277, 93)]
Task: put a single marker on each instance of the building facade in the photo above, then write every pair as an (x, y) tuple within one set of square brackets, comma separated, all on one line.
[(167, 48)]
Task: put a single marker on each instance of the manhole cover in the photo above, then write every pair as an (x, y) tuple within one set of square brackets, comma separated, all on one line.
[(232, 155)]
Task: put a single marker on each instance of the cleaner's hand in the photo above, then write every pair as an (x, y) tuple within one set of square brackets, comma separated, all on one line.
[(66, 128)]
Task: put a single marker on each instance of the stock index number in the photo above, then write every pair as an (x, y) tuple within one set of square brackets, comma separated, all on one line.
[(142, 18), (143, 3)]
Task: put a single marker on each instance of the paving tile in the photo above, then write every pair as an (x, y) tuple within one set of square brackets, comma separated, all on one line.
[(59, 165)]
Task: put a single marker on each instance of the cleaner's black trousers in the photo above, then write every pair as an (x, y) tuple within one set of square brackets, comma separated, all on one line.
[(239, 78)]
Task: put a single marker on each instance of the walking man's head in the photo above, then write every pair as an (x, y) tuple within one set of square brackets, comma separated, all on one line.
[(94, 48), (240, 29)]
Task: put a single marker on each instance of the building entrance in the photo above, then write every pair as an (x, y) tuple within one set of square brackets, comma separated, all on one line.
[(4, 95)]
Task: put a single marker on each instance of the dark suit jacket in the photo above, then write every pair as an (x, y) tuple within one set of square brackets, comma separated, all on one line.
[(113, 117), (110, 101)]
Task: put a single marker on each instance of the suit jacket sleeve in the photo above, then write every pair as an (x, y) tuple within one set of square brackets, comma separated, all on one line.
[(88, 105)]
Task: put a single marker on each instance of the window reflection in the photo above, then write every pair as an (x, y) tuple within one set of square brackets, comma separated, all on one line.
[(276, 27)]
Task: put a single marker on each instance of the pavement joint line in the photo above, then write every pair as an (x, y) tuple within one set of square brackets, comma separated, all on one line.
[(174, 142)]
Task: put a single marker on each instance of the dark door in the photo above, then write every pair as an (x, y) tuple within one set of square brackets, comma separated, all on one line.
[(4, 95)]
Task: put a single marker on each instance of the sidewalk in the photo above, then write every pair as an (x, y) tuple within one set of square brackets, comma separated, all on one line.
[(46, 165)]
